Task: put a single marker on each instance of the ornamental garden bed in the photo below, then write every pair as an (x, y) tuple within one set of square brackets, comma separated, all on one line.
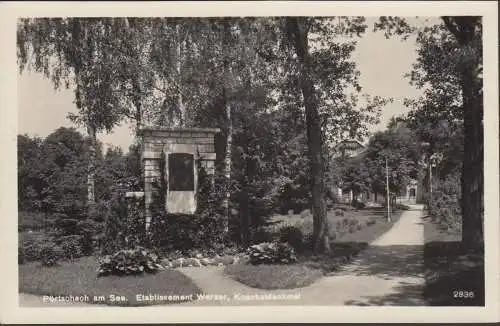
[(80, 278)]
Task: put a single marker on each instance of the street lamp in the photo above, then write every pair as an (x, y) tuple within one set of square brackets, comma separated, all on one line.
[(387, 189), (426, 162), (432, 161)]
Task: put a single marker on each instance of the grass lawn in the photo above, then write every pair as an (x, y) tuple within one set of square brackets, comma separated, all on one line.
[(341, 226), (312, 266), (273, 276), (349, 245), (80, 278), (450, 268)]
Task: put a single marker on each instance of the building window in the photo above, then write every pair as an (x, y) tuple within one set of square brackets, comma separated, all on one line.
[(180, 172)]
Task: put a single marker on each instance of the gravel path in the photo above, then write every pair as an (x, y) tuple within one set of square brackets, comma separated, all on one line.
[(388, 272)]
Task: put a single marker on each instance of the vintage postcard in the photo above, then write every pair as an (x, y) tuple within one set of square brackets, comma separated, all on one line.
[(250, 161)]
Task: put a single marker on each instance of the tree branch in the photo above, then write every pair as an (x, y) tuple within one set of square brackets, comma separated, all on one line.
[(452, 27)]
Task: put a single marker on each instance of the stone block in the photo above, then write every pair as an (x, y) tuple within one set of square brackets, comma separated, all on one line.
[(205, 140), (206, 148), (205, 261), (184, 140), (207, 156), (151, 155), (201, 134), (134, 194), (148, 147)]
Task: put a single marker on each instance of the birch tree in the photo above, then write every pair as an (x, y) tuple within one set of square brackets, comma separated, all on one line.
[(75, 53)]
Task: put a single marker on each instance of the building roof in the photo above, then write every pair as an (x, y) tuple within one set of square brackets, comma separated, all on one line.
[(349, 144), (180, 129)]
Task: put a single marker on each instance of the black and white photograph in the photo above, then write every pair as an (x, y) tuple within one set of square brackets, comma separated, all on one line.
[(236, 160)]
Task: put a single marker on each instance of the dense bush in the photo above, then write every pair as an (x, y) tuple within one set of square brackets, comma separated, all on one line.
[(306, 213), (50, 254), (263, 235), (124, 222), (357, 204), (71, 246), (129, 261), (271, 253), (33, 221), (370, 222), (402, 207), (183, 232), (444, 204), (293, 236), (30, 244)]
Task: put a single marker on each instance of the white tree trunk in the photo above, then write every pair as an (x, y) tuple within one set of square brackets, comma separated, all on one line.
[(180, 103), (227, 164), (91, 164)]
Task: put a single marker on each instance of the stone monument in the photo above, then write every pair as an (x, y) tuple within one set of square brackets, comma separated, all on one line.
[(183, 150)]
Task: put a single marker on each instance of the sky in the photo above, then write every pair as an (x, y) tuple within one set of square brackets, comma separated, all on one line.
[(382, 63)]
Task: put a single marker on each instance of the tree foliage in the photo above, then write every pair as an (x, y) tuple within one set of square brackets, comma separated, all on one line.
[(449, 69), (290, 87)]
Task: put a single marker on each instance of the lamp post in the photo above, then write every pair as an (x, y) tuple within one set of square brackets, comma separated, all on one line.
[(430, 178), (434, 160), (387, 189), (425, 162)]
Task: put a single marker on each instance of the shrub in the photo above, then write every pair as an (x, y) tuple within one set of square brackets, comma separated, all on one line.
[(50, 254), (71, 246), (27, 251), (262, 235), (401, 207), (306, 227), (20, 255), (444, 204), (203, 230), (339, 212), (273, 276), (357, 204), (305, 213), (130, 261), (271, 253), (29, 245), (30, 221), (184, 232), (293, 236)]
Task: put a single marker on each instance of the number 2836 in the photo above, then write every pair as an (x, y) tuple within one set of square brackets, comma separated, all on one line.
[(463, 294)]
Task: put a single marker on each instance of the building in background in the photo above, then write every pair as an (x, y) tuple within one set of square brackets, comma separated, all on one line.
[(352, 149)]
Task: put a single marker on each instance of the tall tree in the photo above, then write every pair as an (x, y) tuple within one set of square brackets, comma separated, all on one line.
[(468, 33), (298, 30), (325, 75), (396, 144), (76, 53), (450, 62)]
